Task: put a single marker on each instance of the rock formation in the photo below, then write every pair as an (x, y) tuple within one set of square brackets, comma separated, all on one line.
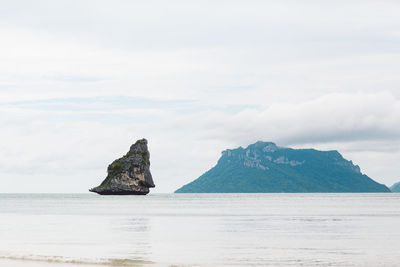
[(129, 175)]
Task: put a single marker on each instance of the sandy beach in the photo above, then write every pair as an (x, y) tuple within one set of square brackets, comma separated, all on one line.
[(23, 262)]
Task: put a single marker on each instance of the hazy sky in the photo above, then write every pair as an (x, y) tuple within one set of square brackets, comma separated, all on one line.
[(80, 81)]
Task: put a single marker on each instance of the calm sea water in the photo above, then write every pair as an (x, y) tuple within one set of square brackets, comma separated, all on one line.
[(203, 229)]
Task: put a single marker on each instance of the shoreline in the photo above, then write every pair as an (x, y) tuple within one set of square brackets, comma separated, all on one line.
[(13, 261)]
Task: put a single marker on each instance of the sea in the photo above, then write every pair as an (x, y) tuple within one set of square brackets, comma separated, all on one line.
[(200, 230)]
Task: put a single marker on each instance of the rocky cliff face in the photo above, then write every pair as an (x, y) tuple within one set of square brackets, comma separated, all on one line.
[(129, 175)]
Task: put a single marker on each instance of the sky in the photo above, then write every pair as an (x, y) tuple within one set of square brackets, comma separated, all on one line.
[(80, 81)]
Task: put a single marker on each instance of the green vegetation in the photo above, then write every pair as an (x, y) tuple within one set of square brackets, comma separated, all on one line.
[(116, 167), (113, 169), (144, 155), (263, 168)]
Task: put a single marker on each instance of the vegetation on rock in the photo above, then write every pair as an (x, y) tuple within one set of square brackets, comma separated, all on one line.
[(129, 174)]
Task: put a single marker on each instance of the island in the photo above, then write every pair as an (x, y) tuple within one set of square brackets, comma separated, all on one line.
[(264, 167), (395, 188), (129, 175)]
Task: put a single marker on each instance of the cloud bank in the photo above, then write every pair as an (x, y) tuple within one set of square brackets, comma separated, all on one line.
[(78, 139), (82, 80)]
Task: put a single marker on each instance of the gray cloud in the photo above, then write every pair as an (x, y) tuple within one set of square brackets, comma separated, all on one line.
[(50, 142), (81, 80), (331, 118)]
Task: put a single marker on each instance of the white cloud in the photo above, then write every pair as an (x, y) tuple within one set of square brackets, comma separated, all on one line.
[(80, 81), (330, 118), (186, 138)]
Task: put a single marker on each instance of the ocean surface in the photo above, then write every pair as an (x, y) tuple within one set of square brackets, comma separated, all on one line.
[(200, 230)]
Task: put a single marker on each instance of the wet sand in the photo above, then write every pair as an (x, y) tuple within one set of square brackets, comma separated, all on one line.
[(19, 262), (34, 263)]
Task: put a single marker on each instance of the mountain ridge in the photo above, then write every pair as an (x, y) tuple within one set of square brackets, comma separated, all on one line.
[(264, 167)]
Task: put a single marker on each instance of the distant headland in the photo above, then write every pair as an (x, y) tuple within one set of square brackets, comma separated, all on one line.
[(264, 167), (395, 188)]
